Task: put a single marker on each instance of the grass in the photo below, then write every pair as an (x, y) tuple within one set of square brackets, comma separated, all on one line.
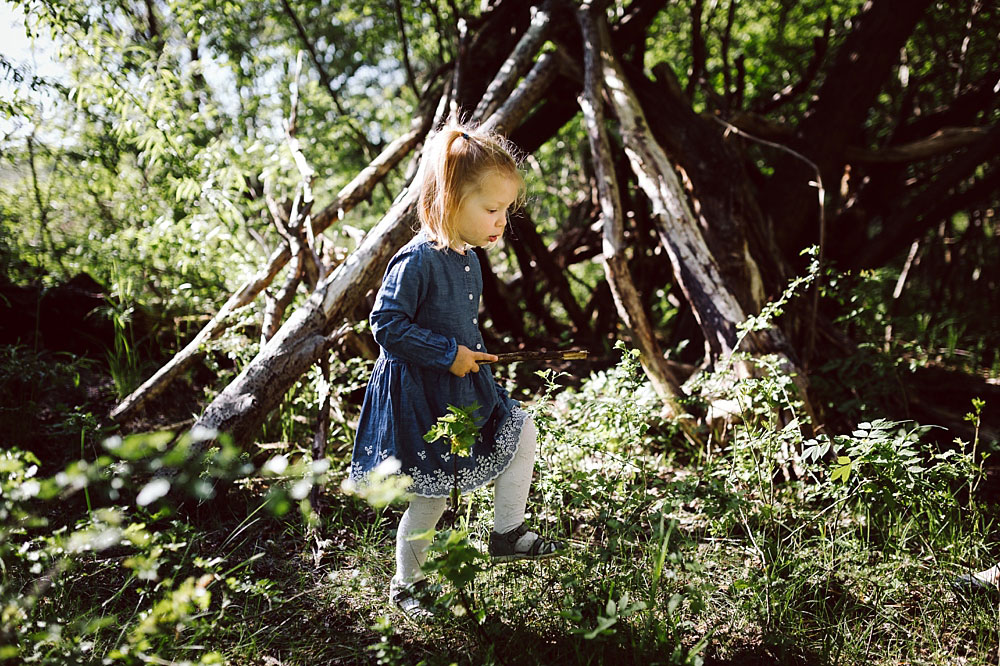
[(678, 555)]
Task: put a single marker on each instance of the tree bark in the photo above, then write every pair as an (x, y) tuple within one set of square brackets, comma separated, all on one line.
[(627, 300)]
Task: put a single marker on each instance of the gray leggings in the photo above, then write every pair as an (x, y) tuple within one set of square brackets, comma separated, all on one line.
[(510, 493)]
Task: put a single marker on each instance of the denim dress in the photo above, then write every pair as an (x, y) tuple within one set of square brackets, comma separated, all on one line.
[(428, 305)]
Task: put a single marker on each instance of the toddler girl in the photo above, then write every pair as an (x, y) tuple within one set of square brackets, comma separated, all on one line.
[(426, 321)]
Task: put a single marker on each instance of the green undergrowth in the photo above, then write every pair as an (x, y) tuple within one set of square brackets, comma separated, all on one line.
[(758, 545), (767, 540)]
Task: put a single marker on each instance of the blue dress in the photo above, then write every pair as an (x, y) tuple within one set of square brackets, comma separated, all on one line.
[(428, 305)]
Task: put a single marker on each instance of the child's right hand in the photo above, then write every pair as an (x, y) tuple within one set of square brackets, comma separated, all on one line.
[(467, 361)]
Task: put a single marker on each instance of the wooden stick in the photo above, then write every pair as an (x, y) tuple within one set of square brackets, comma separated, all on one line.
[(568, 355)]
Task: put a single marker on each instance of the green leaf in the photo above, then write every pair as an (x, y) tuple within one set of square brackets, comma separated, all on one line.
[(842, 471)]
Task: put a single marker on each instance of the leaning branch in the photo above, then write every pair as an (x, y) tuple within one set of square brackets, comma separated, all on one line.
[(348, 197), (695, 269), (243, 405), (911, 220), (520, 61), (405, 45), (945, 140), (627, 300), (530, 92), (715, 307)]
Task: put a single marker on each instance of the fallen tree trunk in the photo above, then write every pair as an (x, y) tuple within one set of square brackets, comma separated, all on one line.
[(695, 270), (627, 299)]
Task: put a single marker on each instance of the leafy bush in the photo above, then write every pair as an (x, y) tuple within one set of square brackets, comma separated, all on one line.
[(83, 568)]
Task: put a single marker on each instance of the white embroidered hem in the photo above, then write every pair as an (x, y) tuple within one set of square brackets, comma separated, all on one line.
[(439, 483)]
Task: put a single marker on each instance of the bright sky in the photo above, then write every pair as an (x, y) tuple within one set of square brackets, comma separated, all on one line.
[(18, 49), (30, 57)]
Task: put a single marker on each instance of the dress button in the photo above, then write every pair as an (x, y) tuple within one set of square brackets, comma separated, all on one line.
[(467, 269), (475, 321), (478, 346), (470, 297)]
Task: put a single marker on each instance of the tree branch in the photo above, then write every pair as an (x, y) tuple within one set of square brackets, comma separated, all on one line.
[(909, 222), (516, 64), (788, 93), (727, 36), (526, 235), (401, 24), (943, 141), (325, 79), (698, 51)]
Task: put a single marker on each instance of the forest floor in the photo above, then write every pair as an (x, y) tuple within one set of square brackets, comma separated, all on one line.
[(679, 554)]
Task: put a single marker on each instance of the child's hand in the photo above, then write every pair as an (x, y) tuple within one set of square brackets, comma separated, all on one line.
[(467, 361)]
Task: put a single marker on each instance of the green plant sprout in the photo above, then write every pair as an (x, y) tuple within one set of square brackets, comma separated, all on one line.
[(458, 428)]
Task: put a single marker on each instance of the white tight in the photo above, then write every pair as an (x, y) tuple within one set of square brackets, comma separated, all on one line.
[(510, 490), (510, 498)]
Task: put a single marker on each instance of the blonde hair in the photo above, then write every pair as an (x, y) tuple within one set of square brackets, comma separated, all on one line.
[(456, 160)]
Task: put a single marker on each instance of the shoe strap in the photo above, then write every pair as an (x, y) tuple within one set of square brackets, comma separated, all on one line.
[(515, 534)]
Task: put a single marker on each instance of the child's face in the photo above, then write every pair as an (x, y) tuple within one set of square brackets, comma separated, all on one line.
[(481, 218)]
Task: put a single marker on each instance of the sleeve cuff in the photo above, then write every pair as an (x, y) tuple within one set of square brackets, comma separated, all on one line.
[(448, 357)]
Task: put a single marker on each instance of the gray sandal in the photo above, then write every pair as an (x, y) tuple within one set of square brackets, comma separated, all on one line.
[(968, 585), (415, 600), (502, 546)]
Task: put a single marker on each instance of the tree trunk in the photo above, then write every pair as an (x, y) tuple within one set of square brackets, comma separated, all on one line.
[(695, 269), (627, 299), (836, 119)]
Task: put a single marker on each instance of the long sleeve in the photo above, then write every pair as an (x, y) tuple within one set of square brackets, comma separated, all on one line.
[(404, 287)]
